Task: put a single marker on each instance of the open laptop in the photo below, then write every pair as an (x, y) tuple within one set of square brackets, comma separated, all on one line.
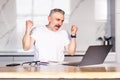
[(94, 55)]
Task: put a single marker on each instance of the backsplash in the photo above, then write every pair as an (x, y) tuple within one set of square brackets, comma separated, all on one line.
[(8, 34)]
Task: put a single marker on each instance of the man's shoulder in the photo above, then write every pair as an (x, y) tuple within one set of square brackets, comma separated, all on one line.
[(36, 29)]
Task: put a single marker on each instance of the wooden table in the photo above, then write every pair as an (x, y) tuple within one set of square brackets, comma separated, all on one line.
[(60, 71)]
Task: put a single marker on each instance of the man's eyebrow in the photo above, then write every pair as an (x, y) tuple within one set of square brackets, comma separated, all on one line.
[(60, 19)]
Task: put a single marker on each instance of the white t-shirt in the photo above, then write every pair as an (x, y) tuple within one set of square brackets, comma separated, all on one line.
[(49, 45)]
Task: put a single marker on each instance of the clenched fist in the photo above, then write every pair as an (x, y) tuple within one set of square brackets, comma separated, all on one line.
[(29, 24), (74, 29)]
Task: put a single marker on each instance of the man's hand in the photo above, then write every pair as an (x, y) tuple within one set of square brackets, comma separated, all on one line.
[(27, 41), (29, 24), (74, 29), (71, 48)]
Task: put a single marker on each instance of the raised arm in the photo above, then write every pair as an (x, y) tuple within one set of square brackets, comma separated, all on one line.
[(27, 40), (71, 48)]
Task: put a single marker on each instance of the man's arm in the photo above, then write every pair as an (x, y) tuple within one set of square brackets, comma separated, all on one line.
[(28, 41), (71, 48)]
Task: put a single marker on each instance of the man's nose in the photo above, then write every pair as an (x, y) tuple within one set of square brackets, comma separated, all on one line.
[(60, 22)]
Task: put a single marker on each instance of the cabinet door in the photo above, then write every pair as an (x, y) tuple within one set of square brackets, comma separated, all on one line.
[(6, 59)]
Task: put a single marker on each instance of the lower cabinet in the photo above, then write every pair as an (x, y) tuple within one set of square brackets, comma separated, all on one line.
[(15, 58), (6, 59), (31, 58), (23, 58)]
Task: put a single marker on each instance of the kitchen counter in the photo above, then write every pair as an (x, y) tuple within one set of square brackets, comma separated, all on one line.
[(60, 71)]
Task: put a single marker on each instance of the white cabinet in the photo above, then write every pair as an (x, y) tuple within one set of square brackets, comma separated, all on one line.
[(23, 58), (5, 59)]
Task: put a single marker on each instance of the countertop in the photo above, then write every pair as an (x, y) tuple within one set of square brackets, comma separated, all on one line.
[(58, 70)]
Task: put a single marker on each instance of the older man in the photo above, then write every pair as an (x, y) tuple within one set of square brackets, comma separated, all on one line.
[(50, 41)]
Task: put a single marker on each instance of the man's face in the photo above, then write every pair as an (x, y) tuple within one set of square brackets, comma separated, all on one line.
[(55, 21)]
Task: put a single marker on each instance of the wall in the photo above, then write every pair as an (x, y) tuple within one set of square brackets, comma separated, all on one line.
[(111, 20), (117, 29), (8, 40), (84, 13)]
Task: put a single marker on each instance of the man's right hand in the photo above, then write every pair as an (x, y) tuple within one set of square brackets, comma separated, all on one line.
[(27, 41), (29, 24)]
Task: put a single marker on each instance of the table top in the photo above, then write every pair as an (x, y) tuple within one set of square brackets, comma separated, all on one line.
[(60, 71)]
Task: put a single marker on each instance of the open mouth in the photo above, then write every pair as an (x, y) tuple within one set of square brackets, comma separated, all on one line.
[(57, 27)]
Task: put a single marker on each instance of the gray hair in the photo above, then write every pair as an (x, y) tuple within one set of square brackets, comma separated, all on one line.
[(56, 10)]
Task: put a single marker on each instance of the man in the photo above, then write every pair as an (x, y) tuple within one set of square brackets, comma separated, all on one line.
[(49, 41)]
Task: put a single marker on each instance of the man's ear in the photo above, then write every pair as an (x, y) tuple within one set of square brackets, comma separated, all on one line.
[(49, 18)]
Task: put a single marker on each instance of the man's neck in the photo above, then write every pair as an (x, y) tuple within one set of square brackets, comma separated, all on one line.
[(49, 27)]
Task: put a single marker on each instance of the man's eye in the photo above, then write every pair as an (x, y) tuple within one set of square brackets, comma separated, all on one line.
[(58, 19)]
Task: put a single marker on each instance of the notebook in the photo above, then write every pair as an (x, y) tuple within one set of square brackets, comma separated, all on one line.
[(94, 55)]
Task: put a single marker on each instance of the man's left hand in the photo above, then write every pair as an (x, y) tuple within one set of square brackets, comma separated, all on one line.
[(74, 29)]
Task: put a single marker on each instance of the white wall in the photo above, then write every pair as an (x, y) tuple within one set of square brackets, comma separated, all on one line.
[(82, 15), (117, 28), (8, 39), (91, 26)]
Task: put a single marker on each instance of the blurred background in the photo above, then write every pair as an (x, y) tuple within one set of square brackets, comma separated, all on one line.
[(95, 19)]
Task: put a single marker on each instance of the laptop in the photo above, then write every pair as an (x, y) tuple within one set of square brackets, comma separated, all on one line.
[(94, 55)]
